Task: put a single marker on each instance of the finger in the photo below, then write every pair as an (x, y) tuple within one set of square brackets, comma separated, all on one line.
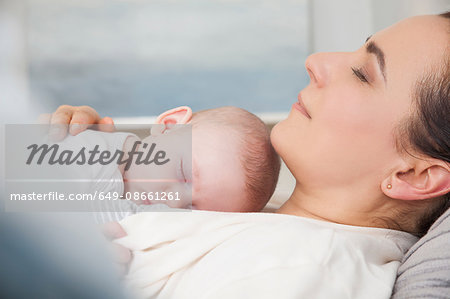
[(121, 254), (82, 118), (75, 129), (62, 115), (44, 119), (122, 269), (59, 122), (106, 120), (107, 124), (113, 230)]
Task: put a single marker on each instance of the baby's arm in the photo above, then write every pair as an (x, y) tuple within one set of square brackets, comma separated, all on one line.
[(127, 147), (116, 210)]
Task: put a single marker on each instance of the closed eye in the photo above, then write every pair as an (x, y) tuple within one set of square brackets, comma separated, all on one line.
[(359, 74), (181, 171)]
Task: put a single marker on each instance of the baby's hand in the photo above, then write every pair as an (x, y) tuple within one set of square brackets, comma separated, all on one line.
[(122, 255), (75, 120)]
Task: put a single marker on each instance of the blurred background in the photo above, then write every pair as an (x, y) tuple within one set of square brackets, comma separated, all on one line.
[(131, 58), (139, 57)]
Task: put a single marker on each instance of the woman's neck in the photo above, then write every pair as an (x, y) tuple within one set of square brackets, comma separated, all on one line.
[(293, 207), (334, 208)]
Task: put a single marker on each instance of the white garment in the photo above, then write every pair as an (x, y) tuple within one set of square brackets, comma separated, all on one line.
[(202, 254), (97, 178), (106, 179)]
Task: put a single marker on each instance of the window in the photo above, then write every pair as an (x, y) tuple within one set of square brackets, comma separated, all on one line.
[(137, 58)]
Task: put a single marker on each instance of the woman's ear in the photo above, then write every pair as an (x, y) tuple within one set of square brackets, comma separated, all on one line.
[(426, 179), (177, 116)]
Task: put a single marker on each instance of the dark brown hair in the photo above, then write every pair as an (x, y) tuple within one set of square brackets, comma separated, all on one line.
[(427, 132)]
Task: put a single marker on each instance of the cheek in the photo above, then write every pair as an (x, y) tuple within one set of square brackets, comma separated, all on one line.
[(345, 111), (349, 118), (182, 192), (355, 137), (155, 177), (347, 137)]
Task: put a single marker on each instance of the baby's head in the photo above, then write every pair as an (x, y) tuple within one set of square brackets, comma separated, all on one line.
[(234, 166), (245, 140)]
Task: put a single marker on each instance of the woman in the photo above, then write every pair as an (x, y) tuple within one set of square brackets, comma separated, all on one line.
[(368, 139)]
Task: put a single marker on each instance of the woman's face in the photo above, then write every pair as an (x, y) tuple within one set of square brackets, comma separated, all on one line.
[(355, 100)]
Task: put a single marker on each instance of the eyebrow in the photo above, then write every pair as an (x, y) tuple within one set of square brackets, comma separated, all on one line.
[(372, 48)]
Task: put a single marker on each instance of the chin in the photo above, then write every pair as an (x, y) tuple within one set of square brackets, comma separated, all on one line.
[(284, 137), (280, 138)]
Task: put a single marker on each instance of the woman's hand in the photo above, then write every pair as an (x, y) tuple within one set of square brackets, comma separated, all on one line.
[(74, 119), (122, 256)]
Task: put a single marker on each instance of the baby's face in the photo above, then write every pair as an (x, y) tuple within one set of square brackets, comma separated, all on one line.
[(214, 173), (218, 175)]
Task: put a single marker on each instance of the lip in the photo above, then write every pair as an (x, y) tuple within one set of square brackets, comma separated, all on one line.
[(300, 106)]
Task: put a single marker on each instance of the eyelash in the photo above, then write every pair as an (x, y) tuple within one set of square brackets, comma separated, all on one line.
[(181, 170), (359, 74)]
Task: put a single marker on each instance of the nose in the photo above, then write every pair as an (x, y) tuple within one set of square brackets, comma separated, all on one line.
[(319, 67)]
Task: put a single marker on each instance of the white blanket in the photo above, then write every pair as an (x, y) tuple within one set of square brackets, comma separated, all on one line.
[(258, 255)]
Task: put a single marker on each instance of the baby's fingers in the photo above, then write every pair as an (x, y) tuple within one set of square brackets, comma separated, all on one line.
[(113, 230), (106, 125), (121, 254), (82, 118), (122, 258), (60, 121), (75, 120)]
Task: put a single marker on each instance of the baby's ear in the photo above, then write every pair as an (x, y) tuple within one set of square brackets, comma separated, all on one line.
[(177, 116)]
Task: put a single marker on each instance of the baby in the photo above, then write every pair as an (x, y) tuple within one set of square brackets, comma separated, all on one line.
[(234, 167)]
